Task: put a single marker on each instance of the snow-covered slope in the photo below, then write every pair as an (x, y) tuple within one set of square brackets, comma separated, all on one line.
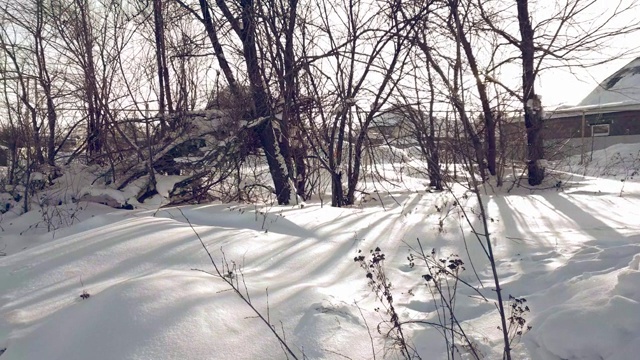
[(573, 253)]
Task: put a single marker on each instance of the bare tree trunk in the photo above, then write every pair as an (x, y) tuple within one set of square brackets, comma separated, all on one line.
[(36, 126), (95, 134), (278, 20), (13, 136), (433, 165), (488, 116), (532, 104), (277, 153), (457, 103), (164, 98), (45, 83), (291, 116), (212, 33), (24, 96)]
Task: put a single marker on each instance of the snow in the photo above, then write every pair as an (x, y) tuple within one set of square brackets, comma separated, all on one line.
[(572, 251), (165, 184), (104, 195)]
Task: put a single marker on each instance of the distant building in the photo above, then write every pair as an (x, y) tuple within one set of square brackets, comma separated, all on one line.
[(388, 127), (609, 115)]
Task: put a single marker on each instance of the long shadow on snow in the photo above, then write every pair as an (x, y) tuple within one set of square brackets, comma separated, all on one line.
[(610, 249), (286, 257), (222, 216), (596, 258), (91, 325), (516, 224), (586, 222), (95, 268)]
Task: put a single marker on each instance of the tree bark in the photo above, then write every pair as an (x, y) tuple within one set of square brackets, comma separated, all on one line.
[(277, 152), (45, 83), (433, 165), (164, 98), (531, 101), (488, 117), (95, 119)]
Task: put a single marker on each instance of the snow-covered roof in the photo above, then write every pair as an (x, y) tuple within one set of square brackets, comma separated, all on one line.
[(594, 109), (621, 86), (618, 92), (388, 119)]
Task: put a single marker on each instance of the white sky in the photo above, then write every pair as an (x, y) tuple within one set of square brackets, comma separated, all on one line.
[(561, 87)]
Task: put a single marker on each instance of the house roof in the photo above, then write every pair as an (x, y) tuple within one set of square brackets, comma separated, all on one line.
[(622, 86), (390, 119), (594, 109), (619, 92)]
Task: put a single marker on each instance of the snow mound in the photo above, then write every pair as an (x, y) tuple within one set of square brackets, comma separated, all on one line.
[(106, 196), (591, 332), (145, 322), (574, 255), (593, 324)]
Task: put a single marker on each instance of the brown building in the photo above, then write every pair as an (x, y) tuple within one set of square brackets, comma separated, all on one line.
[(609, 115)]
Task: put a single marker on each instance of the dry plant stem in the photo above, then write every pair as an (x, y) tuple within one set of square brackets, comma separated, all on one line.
[(450, 306), (373, 348), (468, 220), (337, 353), (488, 250), (229, 282), (282, 343), (494, 269)]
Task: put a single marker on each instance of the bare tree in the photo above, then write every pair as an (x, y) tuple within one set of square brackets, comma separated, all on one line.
[(370, 45), (532, 104), (164, 98), (572, 33), (242, 17), (26, 91)]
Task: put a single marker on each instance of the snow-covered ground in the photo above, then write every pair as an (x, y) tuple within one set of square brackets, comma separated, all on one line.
[(572, 251)]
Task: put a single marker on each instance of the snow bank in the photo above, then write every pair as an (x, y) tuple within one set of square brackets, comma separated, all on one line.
[(600, 321), (144, 321), (103, 195), (573, 253)]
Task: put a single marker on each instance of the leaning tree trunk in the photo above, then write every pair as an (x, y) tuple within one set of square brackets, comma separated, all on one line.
[(164, 99), (277, 152), (218, 50), (487, 113), (277, 162), (532, 105), (95, 126)]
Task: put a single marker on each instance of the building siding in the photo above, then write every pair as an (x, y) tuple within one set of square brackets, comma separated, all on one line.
[(621, 124)]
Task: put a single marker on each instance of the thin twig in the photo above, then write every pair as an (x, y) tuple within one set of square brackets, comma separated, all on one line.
[(373, 348), (229, 282)]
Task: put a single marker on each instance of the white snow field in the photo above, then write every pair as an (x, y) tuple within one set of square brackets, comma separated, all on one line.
[(572, 251)]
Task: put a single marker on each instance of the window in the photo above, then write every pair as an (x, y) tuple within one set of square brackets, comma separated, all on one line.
[(600, 130)]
